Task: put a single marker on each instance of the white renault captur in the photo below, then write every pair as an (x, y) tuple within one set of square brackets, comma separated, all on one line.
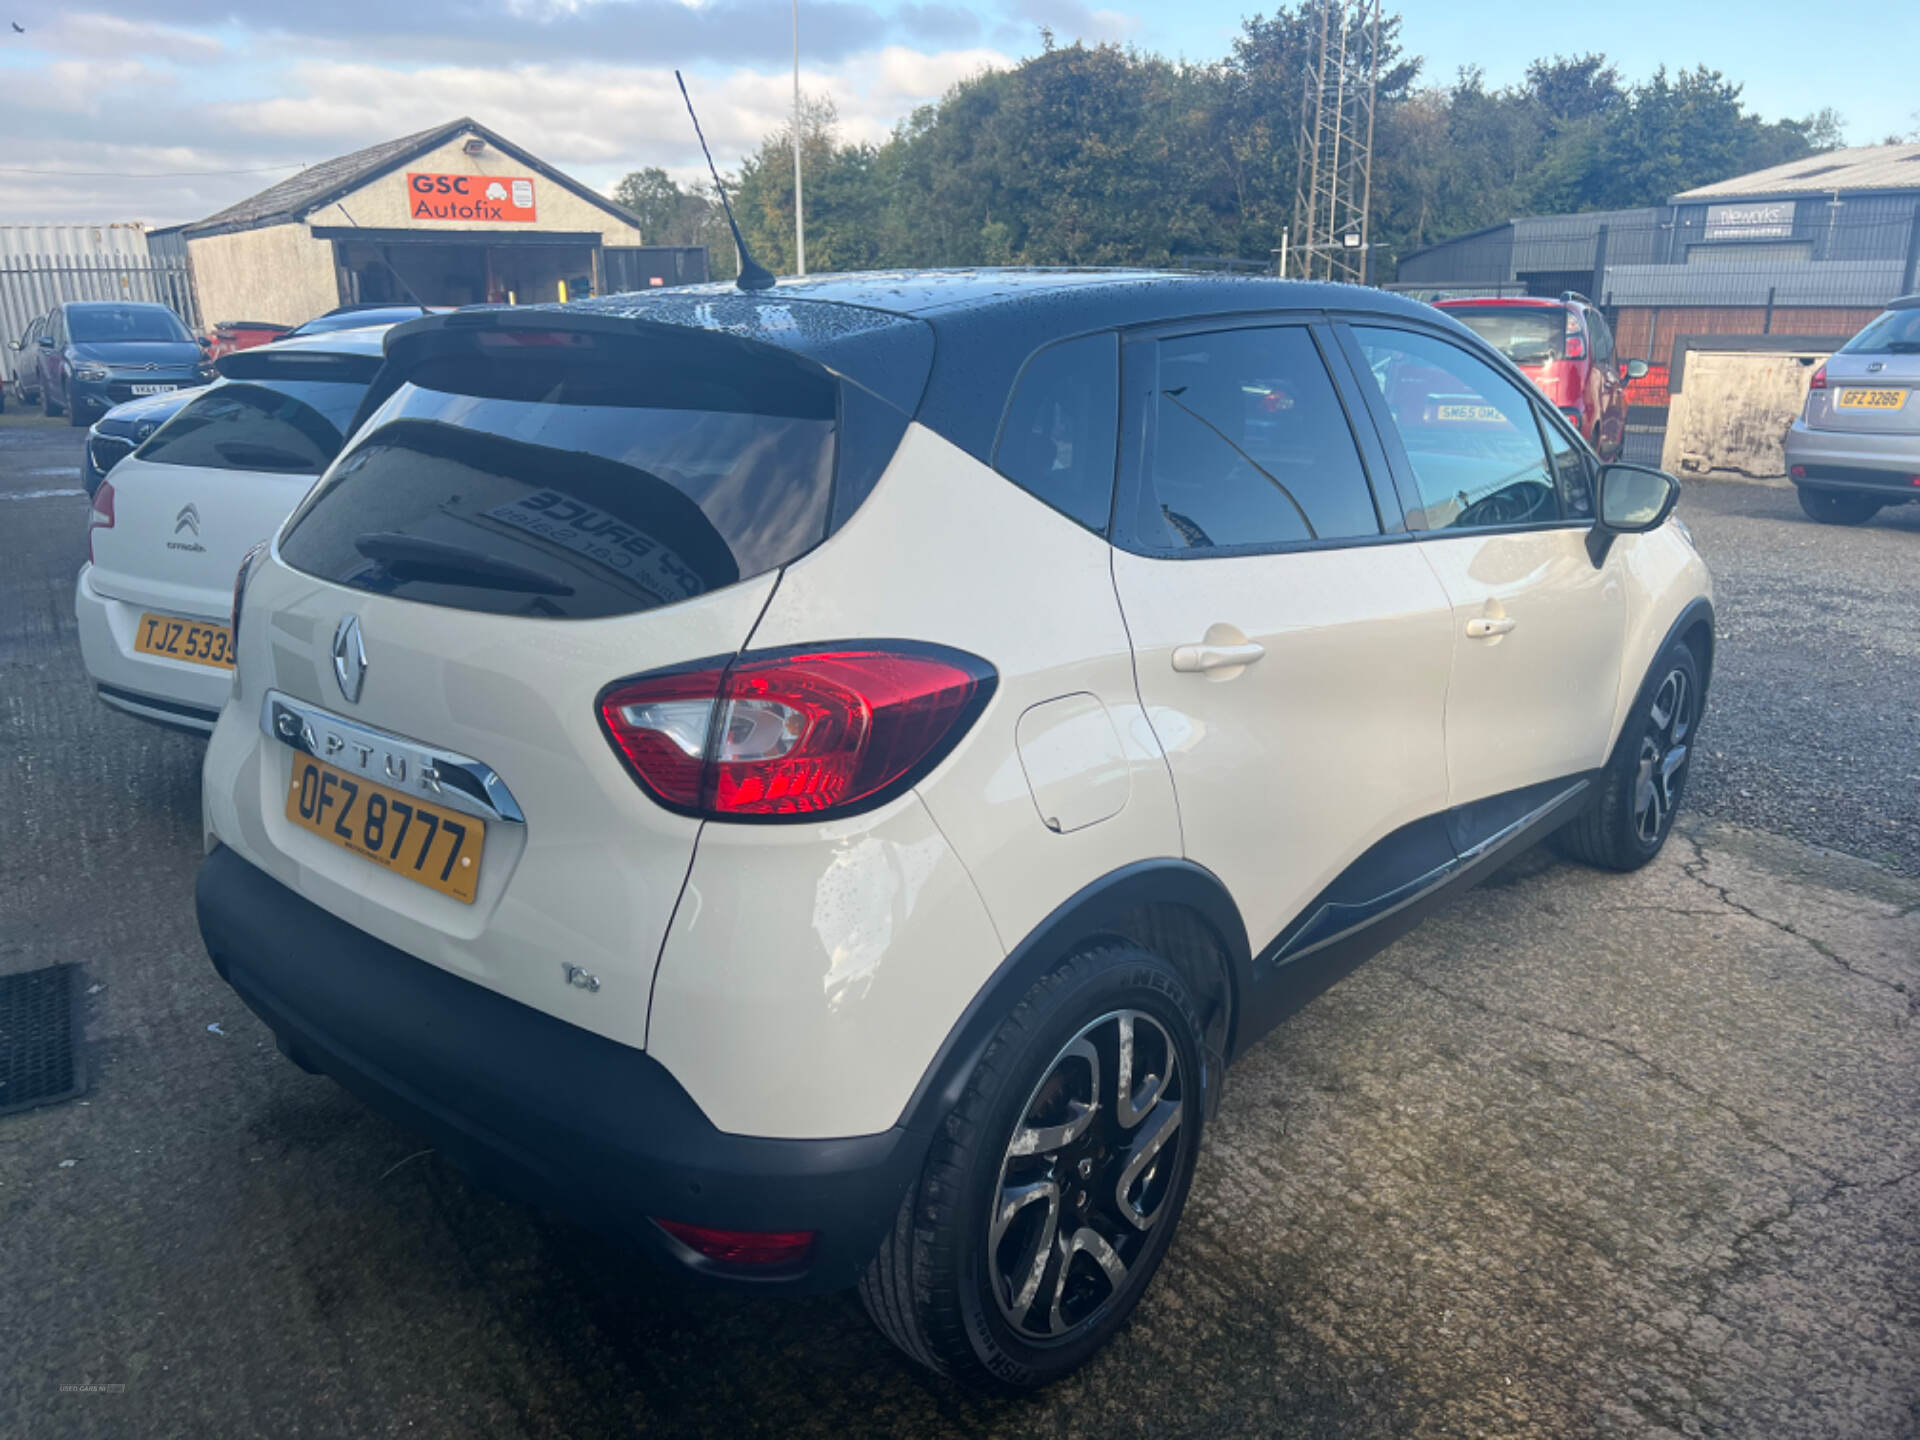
[(822, 782), (168, 530)]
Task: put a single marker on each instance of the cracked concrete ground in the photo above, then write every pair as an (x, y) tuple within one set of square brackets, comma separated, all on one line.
[(1586, 1155)]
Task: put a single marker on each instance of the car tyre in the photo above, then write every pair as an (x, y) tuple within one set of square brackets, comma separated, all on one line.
[(1051, 1192), (1645, 780), (74, 417), (1837, 507), (47, 407)]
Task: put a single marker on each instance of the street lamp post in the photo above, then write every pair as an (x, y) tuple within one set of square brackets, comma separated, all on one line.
[(799, 211)]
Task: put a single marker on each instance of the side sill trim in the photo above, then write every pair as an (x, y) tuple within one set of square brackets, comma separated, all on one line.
[(1382, 906)]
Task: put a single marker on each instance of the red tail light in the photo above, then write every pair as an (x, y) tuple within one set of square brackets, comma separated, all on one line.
[(802, 734), (101, 516), (759, 1248), (1576, 336), (1819, 380)]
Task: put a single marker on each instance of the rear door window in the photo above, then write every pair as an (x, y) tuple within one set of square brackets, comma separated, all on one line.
[(1062, 428), (1250, 446), (1470, 436), (563, 486)]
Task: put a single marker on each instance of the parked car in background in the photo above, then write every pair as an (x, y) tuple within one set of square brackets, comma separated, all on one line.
[(116, 434), (1856, 445), (230, 336), (645, 774), (94, 355), (1566, 348), (23, 361), (170, 526), (353, 317)]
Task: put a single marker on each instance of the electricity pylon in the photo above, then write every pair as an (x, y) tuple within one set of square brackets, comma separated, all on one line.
[(1333, 184)]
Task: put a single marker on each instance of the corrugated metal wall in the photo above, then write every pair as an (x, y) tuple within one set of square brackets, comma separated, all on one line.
[(44, 265)]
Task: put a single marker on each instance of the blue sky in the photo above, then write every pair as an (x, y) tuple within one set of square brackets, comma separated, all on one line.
[(98, 92)]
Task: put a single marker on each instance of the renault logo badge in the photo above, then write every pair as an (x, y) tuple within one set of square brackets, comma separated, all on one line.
[(349, 658), (187, 519)]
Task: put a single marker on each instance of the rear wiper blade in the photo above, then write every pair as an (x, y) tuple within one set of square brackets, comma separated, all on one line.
[(442, 562)]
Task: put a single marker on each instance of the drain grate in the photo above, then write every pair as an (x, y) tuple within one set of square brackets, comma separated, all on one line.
[(40, 1056)]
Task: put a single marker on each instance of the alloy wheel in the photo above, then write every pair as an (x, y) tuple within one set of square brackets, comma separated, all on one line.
[(1086, 1175), (1663, 757)]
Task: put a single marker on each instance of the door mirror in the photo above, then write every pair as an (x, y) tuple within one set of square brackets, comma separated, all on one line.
[(46, 342), (1635, 498), (1632, 500), (206, 345), (1636, 369)]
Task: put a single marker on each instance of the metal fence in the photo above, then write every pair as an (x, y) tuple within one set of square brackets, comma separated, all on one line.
[(31, 285)]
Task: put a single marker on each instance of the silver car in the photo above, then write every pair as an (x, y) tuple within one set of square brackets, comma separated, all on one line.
[(1856, 446)]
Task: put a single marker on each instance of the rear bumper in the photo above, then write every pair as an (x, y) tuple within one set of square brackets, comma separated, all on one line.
[(1842, 460), (554, 1114), (173, 692)]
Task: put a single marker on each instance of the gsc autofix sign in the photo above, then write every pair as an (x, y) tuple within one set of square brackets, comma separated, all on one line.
[(470, 197)]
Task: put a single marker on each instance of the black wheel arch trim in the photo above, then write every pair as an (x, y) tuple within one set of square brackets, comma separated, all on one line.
[(1697, 611), (1105, 908)]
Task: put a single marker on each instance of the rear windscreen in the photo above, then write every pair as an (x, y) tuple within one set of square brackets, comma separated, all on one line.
[(566, 485), (1897, 332), (292, 427), (1526, 335)]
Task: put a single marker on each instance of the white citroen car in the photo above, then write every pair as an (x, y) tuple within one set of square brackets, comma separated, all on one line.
[(822, 783), (167, 532)]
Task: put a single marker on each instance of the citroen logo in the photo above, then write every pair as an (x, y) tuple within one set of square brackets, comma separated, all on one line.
[(187, 519), (349, 659)]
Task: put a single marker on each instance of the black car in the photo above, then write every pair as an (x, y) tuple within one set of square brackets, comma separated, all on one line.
[(356, 317), (116, 434), (96, 355)]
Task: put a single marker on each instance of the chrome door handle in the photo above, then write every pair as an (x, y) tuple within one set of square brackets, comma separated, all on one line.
[(1192, 659), (1481, 628)]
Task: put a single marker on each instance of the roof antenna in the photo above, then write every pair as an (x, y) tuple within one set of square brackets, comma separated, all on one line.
[(380, 254), (753, 276)]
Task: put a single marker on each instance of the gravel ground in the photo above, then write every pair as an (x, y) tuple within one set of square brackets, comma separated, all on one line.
[(1585, 1155), (1813, 726)]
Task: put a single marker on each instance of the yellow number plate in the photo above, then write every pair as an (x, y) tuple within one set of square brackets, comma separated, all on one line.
[(429, 844), (1872, 399), (177, 639)]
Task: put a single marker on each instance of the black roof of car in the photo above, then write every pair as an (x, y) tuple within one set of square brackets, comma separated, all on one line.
[(944, 346)]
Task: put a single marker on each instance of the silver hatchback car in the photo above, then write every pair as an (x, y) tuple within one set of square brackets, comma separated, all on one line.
[(1856, 446)]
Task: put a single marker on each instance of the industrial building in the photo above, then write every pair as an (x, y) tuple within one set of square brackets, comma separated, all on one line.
[(1779, 267), (455, 215)]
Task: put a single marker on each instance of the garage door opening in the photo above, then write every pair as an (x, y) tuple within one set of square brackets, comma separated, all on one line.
[(461, 270)]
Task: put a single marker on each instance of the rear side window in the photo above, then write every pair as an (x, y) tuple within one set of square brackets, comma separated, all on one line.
[(559, 484), (1250, 446), (293, 427), (1062, 427)]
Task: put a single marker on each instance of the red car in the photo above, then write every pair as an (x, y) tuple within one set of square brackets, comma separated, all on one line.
[(1566, 348)]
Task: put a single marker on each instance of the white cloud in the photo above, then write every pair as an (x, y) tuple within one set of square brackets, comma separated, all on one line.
[(111, 35)]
